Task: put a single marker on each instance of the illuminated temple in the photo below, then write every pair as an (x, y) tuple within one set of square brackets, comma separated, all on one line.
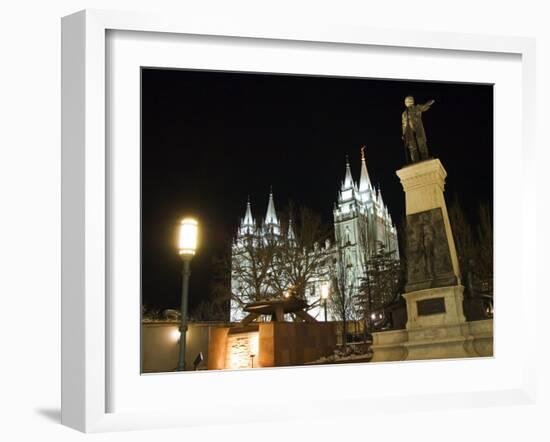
[(362, 223)]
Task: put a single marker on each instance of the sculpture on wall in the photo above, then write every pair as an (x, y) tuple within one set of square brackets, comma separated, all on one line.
[(428, 256)]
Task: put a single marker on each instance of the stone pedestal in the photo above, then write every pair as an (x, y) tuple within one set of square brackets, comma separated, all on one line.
[(436, 307), (436, 324), (466, 340), (431, 252), (436, 327)]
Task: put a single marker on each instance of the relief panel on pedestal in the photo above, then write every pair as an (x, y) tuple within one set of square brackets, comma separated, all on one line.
[(428, 256)]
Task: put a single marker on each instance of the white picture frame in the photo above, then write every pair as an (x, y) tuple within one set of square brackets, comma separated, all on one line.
[(86, 316)]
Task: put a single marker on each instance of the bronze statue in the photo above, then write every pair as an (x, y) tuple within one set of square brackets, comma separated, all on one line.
[(413, 134)]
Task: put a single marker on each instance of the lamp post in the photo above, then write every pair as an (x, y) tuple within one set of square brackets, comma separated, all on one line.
[(187, 245), (371, 322), (324, 296)]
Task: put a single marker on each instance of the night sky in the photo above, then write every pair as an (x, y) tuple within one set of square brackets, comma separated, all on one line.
[(210, 139)]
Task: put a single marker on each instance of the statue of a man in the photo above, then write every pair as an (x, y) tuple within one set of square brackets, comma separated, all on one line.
[(427, 244), (413, 135)]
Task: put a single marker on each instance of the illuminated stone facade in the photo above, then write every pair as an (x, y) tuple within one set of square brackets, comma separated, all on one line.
[(362, 223), (241, 349)]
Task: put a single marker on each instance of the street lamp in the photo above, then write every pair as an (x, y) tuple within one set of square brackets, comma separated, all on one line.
[(187, 245), (324, 296)]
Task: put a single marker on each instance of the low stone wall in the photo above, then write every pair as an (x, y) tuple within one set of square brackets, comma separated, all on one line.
[(217, 348), (160, 345), (242, 348), (296, 343), (389, 346), (224, 346), (473, 339), (279, 344), (482, 331)]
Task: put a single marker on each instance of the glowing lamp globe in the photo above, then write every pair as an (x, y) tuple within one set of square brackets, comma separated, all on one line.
[(189, 229), (324, 291)]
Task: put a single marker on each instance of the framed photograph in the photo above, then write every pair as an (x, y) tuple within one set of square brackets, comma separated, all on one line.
[(322, 213)]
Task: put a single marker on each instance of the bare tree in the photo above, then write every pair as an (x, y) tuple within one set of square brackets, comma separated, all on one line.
[(380, 284), (299, 259), (341, 301), (252, 265), (245, 273), (485, 239), (463, 237), (212, 309), (474, 247), (267, 265)]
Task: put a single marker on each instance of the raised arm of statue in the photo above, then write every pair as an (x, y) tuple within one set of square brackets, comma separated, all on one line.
[(424, 107), (414, 136)]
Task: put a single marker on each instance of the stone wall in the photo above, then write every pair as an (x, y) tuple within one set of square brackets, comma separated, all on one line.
[(217, 347), (472, 339), (241, 350), (160, 345), (295, 343), (273, 344)]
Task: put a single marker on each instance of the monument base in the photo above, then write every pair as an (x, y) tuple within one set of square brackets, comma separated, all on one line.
[(436, 329), (435, 307)]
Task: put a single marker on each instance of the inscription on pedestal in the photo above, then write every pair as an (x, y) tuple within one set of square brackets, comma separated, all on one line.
[(428, 257), (431, 306)]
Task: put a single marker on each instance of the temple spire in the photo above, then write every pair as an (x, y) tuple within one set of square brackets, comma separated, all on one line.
[(348, 180), (248, 220), (379, 198), (290, 233), (271, 216), (364, 183)]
